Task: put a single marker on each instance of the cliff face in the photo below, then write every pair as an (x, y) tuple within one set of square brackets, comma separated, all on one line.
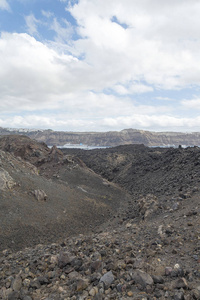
[(111, 138)]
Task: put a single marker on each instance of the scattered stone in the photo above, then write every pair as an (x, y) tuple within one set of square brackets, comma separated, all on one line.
[(179, 295), (142, 278), (107, 278), (168, 271), (158, 279), (93, 291), (40, 195), (81, 285), (196, 294), (27, 298), (63, 260), (130, 294), (13, 295), (17, 283), (96, 265), (181, 283)]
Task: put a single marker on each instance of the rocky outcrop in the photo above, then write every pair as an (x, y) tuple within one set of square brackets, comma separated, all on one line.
[(6, 181), (147, 205)]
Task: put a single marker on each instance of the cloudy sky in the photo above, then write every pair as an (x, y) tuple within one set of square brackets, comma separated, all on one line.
[(99, 65)]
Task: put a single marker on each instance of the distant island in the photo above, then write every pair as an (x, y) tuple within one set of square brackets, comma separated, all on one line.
[(110, 138)]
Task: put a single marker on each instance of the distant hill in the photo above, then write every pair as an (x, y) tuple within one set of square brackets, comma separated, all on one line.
[(110, 138)]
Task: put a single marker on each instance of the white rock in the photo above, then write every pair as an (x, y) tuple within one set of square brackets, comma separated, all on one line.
[(6, 181), (177, 267), (40, 195)]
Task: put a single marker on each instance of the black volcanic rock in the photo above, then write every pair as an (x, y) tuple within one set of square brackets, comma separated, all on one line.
[(142, 170)]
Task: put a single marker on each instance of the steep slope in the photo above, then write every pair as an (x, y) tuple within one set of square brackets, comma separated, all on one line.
[(48, 196)]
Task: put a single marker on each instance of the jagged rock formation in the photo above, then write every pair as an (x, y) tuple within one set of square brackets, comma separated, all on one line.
[(111, 138)]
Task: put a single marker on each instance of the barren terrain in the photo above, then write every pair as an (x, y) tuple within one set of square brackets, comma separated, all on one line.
[(116, 223)]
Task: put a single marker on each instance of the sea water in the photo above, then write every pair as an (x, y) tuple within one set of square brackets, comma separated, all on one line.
[(82, 146)]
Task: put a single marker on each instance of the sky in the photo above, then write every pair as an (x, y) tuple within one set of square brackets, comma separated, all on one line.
[(99, 65)]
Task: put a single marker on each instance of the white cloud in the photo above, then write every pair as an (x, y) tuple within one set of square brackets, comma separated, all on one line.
[(46, 122), (31, 23), (47, 14), (156, 49), (157, 46), (4, 5), (63, 33), (32, 75), (153, 122), (140, 88), (191, 104), (145, 122), (132, 89), (164, 98)]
